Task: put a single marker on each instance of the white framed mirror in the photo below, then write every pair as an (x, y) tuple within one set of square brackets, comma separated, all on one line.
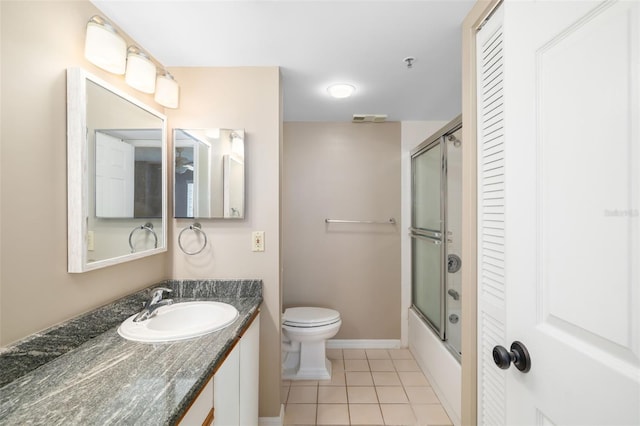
[(116, 175), (209, 178)]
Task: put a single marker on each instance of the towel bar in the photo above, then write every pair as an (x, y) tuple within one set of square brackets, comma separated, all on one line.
[(391, 221)]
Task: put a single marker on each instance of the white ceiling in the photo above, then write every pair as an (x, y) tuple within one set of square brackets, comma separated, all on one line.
[(316, 43)]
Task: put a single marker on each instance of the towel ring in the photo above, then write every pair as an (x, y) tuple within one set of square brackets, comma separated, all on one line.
[(197, 228), (147, 227)]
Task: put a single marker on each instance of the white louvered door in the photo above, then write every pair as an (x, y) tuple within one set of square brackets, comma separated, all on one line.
[(491, 192), (559, 212)]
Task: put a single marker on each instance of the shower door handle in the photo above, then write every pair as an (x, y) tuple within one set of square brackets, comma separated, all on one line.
[(425, 233), (425, 238), (519, 355)]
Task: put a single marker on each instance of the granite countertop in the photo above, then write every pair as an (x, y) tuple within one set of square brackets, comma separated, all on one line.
[(83, 372)]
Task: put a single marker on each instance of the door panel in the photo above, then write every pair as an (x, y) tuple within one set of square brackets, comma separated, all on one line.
[(585, 268), (115, 178), (427, 280), (597, 198), (427, 175), (571, 215)]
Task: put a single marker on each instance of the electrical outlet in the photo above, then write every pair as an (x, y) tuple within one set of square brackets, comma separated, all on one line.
[(257, 241), (90, 241)]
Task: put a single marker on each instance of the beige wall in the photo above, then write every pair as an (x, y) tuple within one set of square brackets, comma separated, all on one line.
[(249, 99), (343, 171), (40, 40)]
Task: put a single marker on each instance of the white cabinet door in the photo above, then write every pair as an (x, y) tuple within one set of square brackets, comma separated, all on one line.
[(226, 391), (559, 221), (201, 407), (249, 374), (235, 395)]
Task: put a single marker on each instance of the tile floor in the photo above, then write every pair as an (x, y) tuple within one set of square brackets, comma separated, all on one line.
[(367, 387)]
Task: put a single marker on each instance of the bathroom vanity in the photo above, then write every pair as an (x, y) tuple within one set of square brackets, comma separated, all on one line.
[(233, 389), (102, 378)]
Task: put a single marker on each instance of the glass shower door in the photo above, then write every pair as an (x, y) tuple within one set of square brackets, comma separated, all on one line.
[(427, 270), (427, 234), (427, 176)]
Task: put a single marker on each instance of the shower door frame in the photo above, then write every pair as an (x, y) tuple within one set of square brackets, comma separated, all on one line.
[(438, 138)]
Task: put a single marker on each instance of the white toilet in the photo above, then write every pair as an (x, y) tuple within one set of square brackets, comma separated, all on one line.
[(304, 333)]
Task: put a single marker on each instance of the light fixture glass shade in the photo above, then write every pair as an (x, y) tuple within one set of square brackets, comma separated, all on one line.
[(141, 72), (103, 46), (341, 90), (167, 91)]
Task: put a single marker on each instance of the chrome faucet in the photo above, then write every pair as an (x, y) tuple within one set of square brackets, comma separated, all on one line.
[(152, 305)]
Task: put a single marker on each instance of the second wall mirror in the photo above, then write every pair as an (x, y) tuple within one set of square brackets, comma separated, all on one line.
[(209, 173)]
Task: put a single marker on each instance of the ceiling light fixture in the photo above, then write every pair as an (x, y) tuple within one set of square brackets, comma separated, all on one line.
[(167, 90), (104, 47), (141, 72), (341, 90)]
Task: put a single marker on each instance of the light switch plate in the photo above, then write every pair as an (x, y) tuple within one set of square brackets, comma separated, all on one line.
[(257, 241)]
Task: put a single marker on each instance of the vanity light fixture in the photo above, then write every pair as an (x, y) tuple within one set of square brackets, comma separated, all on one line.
[(141, 72), (167, 90), (341, 90), (104, 47)]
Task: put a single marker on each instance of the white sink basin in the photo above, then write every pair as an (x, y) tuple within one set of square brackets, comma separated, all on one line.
[(180, 321)]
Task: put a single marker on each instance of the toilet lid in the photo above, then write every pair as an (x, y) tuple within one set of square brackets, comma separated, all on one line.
[(310, 317)]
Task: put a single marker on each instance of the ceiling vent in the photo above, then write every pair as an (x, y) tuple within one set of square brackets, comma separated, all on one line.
[(369, 118)]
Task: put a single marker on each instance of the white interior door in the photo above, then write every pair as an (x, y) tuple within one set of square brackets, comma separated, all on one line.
[(115, 177), (559, 212)]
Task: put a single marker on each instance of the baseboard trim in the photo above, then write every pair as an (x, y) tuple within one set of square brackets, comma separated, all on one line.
[(273, 421), (363, 344)]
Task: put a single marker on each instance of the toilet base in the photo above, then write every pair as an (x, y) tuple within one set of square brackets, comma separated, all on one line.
[(310, 363), (295, 373)]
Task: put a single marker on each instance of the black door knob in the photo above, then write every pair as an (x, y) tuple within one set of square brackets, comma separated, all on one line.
[(519, 355)]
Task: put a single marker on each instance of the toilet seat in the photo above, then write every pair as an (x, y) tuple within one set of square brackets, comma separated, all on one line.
[(307, 317)]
